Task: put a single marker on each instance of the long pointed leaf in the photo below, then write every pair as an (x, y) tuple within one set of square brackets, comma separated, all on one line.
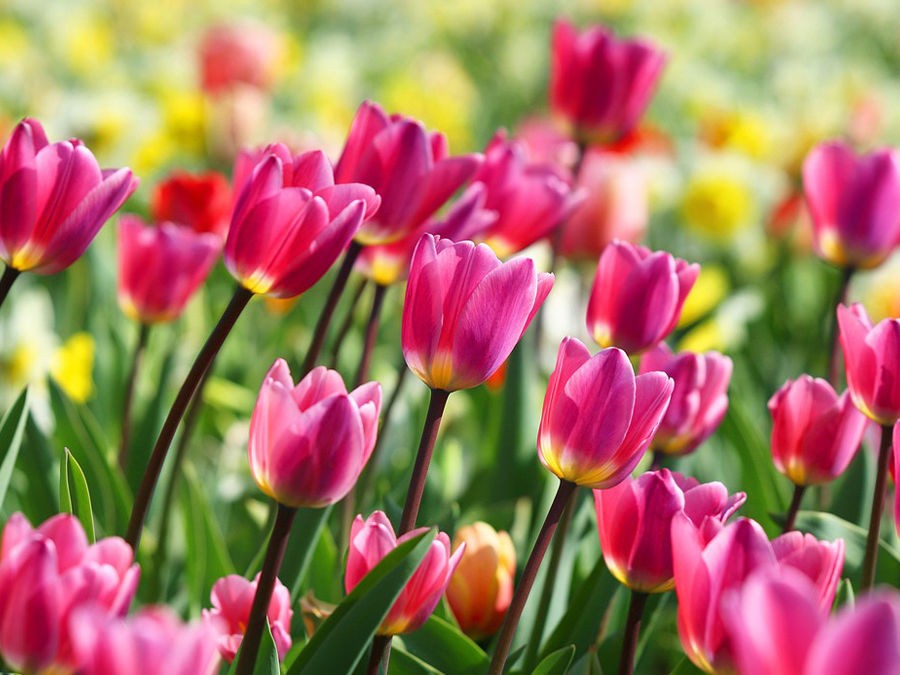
[(266, 657), (443, 646), (556, 663), (74, 496), (12, 429)]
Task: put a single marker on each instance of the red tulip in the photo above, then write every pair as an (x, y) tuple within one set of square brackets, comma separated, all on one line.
[(201, 202), (161, 267), (699, 400), (234, 55), (374, 538), (872, 358), (598, 418), (309, 442), (465, 311), (600, 85), (408, 166), (854, 203), (637, 296), (54, 198), (815, 433)]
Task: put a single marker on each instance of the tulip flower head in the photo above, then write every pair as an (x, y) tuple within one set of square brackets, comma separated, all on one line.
[(634, 520), (409, 168), (482, 587), (161, 267), (201, 202), (54, 198), (309, 442), (598, 418), (872, 358), (815, 432), (600, 85), (232, 597), (465, 311), (854, 203), (699, 400), (371, 540), (637, 296), (237, 55)]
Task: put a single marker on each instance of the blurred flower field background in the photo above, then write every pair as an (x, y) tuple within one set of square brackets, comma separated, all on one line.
[(748, 89)]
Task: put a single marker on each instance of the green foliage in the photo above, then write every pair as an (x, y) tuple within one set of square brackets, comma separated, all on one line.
[(74, 496)]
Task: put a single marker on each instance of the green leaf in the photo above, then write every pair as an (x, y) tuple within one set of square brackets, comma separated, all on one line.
[(829, 527), (686, 667), (266, 657), (588, 664), (443, 646), (305, 532), (12, 429), (557, 663), (343, 638), (404, 663), (74, 496)]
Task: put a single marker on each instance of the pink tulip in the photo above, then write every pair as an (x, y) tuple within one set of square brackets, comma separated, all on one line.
[(374, 538), (598, 418), (408, 166), (54, 198), (637, 296), (309, 442), (815, 433), (699, 400), (161, 267), (530, 199), (617, 205), (820, 561), (860, 640), (895, 438), (599, 85), (872, 358), (201, 202), (854, 203), (233, 55), (465, 311), (481, 589), (232, 597), (152, 642), (290, 221)]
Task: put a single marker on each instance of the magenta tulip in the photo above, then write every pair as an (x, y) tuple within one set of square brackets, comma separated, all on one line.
[(161, 267), (634, 521), (854, 203), (152, 642), (895, 447), (309, 442), (815, 432), (54, 198), (232, 597), (374, 538), (600, 85), (598, 418), (872, 358), (699, 400), (408, 166), (531, 199), (290, 220), (821, 561), (637, 296), (465, 311)]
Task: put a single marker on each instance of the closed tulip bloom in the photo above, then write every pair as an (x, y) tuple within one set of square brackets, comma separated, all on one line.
[(531, 199), (161, 267), (232, 597), (371, 540), (598, 418), (408, 166), (815, 432), (240, 54), (637, 296), (152, 642), (201, 202), (482, 587), (600, 85), (634, 521), (699, 400), (465, 311), (309, 442), (291, 221), (872, 358), (895, 446), (854, 203), (821, 561), (54, 198)]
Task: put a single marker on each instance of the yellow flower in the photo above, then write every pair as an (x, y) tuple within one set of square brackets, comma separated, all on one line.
[(72, 366), (717, 205), (709, 289)]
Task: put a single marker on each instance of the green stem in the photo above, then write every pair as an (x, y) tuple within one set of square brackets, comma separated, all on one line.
[(10, 274), (125, 438), (834, 361), (347, 323), (870, 562), (154, 466), (632, 630), (266, 584), (371, 334), (799, 490), (380, 654), (504, 642)]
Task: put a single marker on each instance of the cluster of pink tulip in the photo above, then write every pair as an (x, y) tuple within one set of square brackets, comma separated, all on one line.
[(745, 603)]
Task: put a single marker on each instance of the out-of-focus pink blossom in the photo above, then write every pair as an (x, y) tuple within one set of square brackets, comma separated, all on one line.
[(239, 54)]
